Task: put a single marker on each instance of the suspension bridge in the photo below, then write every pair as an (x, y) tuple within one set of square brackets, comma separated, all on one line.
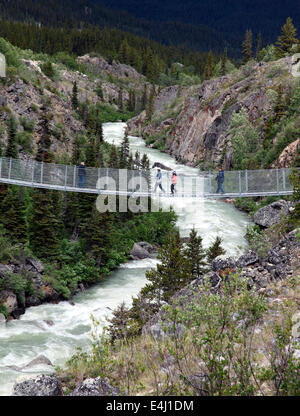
[(140, 183)]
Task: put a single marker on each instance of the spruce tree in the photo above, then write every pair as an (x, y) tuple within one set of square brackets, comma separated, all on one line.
[(99, 236), (113, 158), (124, 152), (224, 62), (144, 97), (43, 226), (215, 250), (12, 149), (43, 221), (196, 254), (280, 105), (247, 46), (171, 274), (13, 214), (287, 39), (150, 104), (258, 46), (120, 100), (75, 102), (209, 67)]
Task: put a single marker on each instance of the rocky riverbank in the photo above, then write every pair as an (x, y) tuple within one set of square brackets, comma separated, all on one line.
[(269, 276), (40, 290)]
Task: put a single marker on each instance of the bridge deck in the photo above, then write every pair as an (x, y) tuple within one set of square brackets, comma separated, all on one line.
[(140, 183)]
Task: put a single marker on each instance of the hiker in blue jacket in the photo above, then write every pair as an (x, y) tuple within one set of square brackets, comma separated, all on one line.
[(158, 182), (81, 175), (220, 179)]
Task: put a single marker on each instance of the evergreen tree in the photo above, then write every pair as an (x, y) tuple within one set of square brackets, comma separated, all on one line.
[(120, 100), (215, 250), (224, 62), (280, 105), (287, 38), (12, 149), (13, 214), (124, 152), (209, 67), (144, 97), (258, 46), (43, 226), (150, 104), (43, 154), (196, 254), (48, 70), (137, 159), (113, 158), (247, 46), (74, 100), (171, 274), (99, 236), (43, 221)]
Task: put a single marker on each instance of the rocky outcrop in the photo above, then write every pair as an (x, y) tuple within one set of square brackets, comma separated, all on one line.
[(288, 155), (197, 132), (34, 270), (272, 214), (9, 300), (282, 261), (42, 385), (95, 387), (142, 250)]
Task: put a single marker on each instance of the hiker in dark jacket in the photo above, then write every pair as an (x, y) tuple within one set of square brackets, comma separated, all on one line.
[(81, 175), (220, 179)]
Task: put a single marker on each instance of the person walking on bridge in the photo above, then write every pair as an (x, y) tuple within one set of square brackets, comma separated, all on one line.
[(81, 175), (158, 182), (174, 182), (220, 179)]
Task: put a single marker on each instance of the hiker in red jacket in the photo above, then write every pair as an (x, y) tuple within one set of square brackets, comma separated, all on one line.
[(174, 182)]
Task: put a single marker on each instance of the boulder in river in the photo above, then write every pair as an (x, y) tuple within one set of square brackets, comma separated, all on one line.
[(272, 214), (42, 385), (95, 387), (40, 360), (160, 166), (142, 250)]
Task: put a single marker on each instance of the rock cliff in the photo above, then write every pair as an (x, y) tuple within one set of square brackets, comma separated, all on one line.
[(194, 121)]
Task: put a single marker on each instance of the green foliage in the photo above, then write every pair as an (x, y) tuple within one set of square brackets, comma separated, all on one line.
[(247, 46), (244, 139), (295, 181), (48, 69), (287, 39), (173, 272), (12, 208), (11, 149), (25, 140), (195, 254), (215, 250)]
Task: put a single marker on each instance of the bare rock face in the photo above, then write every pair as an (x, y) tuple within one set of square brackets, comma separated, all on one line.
[(40, 360), (9, 300), (42, 385), (198, 117), (95, 387), (271, 214), (142, 250), (287, 155)]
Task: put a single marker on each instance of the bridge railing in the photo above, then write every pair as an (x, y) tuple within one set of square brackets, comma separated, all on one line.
[(55, 176), (252, 181)]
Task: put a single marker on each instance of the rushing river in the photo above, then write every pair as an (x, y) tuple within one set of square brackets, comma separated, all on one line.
[(69, 324)]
